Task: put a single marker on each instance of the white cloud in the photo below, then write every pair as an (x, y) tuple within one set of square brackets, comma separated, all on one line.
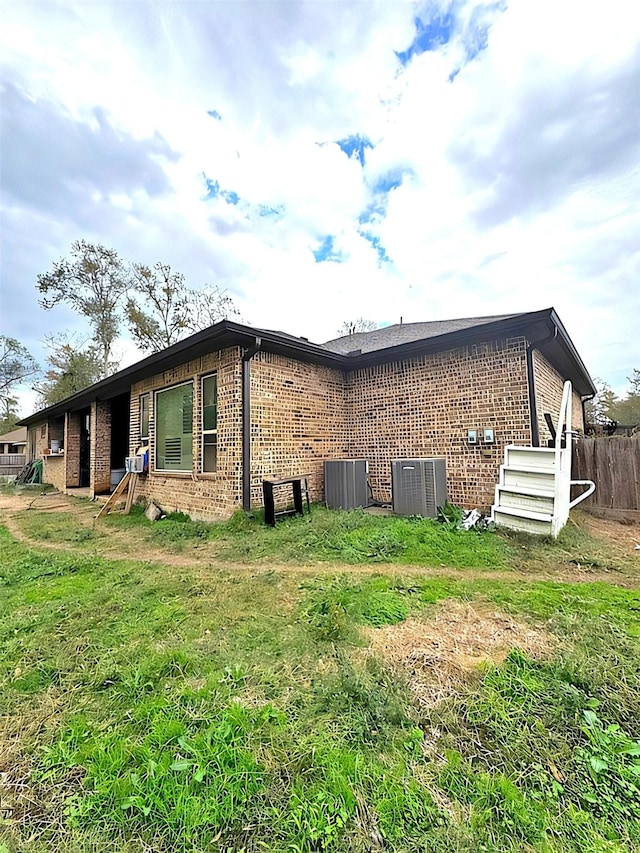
[(518, 185)]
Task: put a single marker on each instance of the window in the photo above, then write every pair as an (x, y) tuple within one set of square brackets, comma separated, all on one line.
[(174, 428), (209, 422), (144, 417)]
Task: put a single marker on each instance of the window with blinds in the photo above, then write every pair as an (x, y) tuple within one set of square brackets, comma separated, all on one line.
[(174, 428), (209, 423)]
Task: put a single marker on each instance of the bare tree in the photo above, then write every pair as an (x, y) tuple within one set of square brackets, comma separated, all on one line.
[(352, 327), (209, 306)]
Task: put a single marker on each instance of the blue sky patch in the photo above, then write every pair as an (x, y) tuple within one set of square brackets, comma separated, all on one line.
[(326, 251), (214, 114), (373, 213), (377, 245), (430, 35), (355, 146), (270, 210), (390, 180), (215, 191)]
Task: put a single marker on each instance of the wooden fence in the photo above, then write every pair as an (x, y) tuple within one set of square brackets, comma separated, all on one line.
[(12, 463), (614, 466)]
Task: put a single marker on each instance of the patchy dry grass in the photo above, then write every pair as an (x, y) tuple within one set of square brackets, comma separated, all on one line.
[(197, 705), (453, 648)]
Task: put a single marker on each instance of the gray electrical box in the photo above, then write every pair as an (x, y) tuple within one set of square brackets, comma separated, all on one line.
[(346, 483), (419, 486)]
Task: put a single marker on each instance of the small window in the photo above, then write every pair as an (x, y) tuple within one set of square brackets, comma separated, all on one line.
[(174, 428), (144, 417), (209, 423)]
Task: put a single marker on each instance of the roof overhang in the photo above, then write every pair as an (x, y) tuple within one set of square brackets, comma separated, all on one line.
[(534, 326)]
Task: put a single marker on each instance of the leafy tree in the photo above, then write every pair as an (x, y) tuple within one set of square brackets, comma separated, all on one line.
[(164, 318), (16, 365), (606, 407), (627, 410), (352, 327), (165, 311), (9, 416), (93, 281), (73, 366)]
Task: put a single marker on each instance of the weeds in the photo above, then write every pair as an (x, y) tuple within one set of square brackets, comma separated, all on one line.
[(148, 707)]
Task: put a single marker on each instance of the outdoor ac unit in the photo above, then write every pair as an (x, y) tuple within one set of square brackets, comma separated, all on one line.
[(134, 464), (346, 483), (419, 486)]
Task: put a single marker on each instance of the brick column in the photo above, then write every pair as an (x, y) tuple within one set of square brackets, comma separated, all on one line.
[(100, 466), (72, 424)]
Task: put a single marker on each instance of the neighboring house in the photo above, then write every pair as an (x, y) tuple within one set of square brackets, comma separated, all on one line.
[(232, 405), (13, 451)]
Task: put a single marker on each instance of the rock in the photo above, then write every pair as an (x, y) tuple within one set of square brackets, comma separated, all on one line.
[(153, 512)]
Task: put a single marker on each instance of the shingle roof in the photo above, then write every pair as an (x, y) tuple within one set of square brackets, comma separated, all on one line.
[(16, 436), (347, 353), (403, 333)]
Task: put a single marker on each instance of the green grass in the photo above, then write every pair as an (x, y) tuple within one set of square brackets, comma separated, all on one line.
[(146, 707), (353, 537)]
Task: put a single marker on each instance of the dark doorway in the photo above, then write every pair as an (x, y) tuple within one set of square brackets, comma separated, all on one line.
[(85, 447), (119, 431)]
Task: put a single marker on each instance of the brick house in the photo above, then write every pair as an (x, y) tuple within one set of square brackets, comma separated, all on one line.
[(232, 404)]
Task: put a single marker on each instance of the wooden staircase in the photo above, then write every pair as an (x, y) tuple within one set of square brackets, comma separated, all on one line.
[(534, 489)]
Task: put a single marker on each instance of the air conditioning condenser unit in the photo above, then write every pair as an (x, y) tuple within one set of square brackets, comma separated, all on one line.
[(419, 486), (346, 484)]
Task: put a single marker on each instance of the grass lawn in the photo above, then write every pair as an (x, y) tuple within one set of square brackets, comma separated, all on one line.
[(339, 683)]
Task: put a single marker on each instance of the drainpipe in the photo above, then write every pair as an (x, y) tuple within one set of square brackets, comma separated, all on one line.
[(535, 432), (246, 423)]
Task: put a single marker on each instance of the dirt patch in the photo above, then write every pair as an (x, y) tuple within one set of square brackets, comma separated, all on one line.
[(441, 655), (622, 536), (14, 502)]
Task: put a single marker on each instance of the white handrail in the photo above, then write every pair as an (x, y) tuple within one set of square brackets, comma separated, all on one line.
[(591, 489)]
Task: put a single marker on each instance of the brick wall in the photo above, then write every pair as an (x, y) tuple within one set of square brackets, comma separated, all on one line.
[(54, 471), (72, 427), (100, 447), (424, 407), (298, 419), (201, 495), (548, 387)]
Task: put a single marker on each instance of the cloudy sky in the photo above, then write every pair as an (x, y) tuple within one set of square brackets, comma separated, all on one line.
[(328, 160)]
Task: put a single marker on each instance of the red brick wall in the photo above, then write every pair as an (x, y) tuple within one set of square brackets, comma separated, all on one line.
[(202, 495), (424, 407), (548, 387), (298, 419)]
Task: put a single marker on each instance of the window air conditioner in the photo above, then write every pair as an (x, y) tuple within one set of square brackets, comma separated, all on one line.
[(134, 464)]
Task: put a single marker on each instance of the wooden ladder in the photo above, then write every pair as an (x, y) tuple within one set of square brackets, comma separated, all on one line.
[(128, 483)]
